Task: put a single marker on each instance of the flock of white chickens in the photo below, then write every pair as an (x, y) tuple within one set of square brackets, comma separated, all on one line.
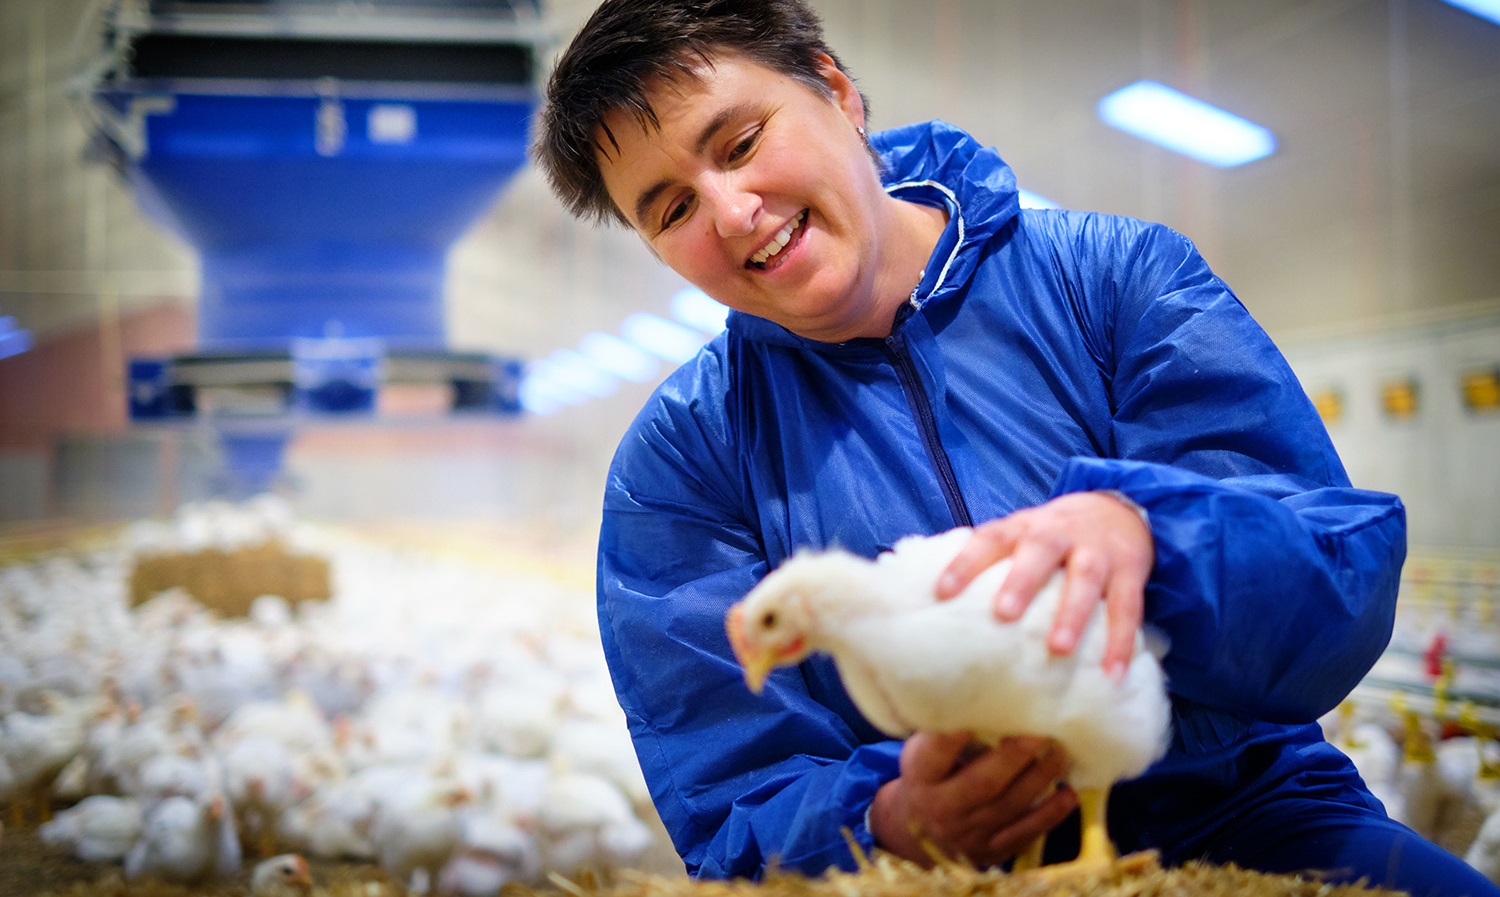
[(452, 722), (1439, 677)]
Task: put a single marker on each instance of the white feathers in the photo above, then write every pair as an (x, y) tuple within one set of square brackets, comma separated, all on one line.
[(98, 829), (309, 723), (286, 875), (911, 662), (186, 840)]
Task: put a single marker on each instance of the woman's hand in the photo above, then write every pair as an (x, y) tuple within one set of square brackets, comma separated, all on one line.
[(983, 804), (1101, 542)]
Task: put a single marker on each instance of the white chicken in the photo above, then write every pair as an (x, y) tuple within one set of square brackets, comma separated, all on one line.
[(34, 748), (286, 875), (186, 841), (333, 823), (98, 829), (261, 779), (415, 832), (913, 663), (493, 853), (586, 823), (1484, 853), (605, 749)]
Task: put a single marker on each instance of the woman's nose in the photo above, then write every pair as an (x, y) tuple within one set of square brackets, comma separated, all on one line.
[(735, 211)]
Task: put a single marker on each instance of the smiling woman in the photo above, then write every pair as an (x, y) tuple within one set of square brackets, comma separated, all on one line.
[(760, 191), (908, 351)]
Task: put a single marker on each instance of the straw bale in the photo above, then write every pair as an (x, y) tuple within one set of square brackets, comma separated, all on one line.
[(229, 580), (885, 877)]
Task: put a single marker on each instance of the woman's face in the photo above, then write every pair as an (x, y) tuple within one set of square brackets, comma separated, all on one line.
[(761, 192)]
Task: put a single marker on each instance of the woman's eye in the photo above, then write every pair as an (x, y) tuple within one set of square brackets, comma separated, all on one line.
[(675, 214), (743, 146)]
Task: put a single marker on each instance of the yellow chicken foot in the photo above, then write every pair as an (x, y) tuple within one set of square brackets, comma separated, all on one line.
[(1031, 857), (1096, 853)]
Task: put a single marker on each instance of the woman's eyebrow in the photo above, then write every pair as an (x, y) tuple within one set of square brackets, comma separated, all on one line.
[(720, 120)]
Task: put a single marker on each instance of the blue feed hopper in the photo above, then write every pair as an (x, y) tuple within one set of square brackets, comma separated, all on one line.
[(322, 157)]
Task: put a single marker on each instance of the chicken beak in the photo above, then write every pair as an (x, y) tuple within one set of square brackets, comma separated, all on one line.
[(302, 875), (757, 664), (756, 671)]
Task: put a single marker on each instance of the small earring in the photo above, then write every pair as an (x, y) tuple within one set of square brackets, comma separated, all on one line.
[(862, 135)]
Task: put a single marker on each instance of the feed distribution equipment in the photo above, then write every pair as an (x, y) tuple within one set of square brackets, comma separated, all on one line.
[(321, 156)]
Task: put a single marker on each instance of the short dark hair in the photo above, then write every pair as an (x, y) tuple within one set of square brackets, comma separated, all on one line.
[(627, 46)]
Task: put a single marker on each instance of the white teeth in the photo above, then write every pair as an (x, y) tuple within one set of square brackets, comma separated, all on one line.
[(779, 241)]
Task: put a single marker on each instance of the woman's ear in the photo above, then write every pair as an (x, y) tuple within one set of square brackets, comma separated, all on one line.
[(845, 94)]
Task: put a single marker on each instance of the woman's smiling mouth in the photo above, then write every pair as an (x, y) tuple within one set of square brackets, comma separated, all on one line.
[(762, 260)]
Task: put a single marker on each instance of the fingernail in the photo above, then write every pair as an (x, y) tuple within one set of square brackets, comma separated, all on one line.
[(1062, 641), (1116, 672), (947, 584), (1007, 606)]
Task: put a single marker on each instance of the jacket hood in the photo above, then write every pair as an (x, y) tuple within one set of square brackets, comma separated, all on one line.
[(939, 164)]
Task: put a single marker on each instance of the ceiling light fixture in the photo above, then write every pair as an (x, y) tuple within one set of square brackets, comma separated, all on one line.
[(661, 337), (1485, 9), (13, 340), (694, 308), (573, 371), (1186, 124), (1031, 200), (613, 355)]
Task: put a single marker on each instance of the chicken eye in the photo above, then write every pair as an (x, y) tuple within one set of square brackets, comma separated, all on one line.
[(769, 620)]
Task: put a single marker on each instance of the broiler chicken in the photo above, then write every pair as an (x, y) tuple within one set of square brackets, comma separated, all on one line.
[(493, 853), (415, 833), (913, 663), (98, 829), (186, 841), (286, 875)]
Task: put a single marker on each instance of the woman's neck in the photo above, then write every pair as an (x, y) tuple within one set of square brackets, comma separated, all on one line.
[(917, 227)]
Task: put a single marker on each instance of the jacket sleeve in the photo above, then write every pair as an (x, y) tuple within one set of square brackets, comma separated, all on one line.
[(741, 781), (1275, 581)]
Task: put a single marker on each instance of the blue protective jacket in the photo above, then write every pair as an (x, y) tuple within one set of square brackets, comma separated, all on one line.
[(1044, 352)]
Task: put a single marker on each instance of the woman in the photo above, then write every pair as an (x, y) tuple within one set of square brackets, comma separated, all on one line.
[(909, 351)]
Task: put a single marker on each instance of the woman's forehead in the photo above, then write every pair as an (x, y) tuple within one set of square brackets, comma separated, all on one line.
[(693, 85)]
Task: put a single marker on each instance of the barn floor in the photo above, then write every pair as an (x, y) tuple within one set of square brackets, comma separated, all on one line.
[(29, 868)]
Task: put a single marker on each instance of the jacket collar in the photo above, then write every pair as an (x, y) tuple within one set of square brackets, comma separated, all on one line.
[(939, 164)]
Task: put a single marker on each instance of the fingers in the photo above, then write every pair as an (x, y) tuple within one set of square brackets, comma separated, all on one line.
[(1011, 839), (989, 542), (930, 757), (1033, 563), (987, 809), (1102, 544), (1124, 610), (1082, 587), (1014, 777)]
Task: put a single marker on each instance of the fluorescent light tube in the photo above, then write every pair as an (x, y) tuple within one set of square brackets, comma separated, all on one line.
[(14, 342), (1485, 9), (661, 337), (537, 401), (572, 370), (694, 308), (614, 355), (1186, 124), (1031, 200), (538, 384)]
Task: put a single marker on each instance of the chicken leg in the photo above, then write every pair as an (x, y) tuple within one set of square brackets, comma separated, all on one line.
[(1031, 857), (1096, 853)]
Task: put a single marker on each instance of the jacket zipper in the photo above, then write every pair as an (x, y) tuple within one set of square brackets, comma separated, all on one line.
[(906, 372)]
